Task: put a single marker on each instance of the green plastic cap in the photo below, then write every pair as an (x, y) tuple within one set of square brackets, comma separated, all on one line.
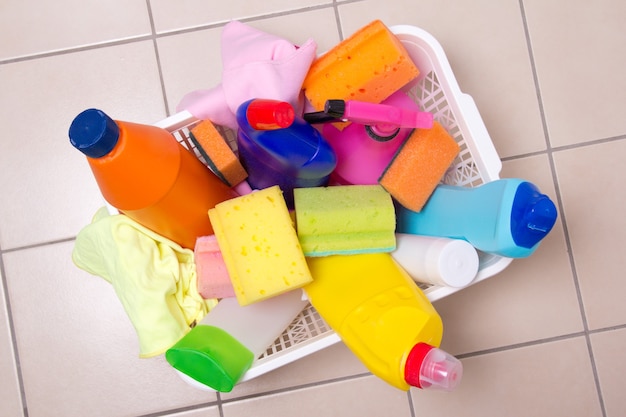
[(211, 356)]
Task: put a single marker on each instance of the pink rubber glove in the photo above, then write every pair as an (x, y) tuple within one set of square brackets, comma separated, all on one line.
[(255, 64)]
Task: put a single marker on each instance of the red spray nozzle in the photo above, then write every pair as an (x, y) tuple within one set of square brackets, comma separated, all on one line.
[(266, 114), (428, 367)]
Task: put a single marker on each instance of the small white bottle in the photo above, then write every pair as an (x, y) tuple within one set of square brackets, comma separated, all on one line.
[(435, 260)]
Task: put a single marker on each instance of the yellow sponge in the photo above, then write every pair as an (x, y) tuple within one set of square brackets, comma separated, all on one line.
[(344, 220), (368, 66), (419, 165), (218, 155), (259, 245)]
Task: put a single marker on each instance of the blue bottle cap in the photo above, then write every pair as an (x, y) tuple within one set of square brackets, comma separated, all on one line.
[(94, 133), (533, 215)]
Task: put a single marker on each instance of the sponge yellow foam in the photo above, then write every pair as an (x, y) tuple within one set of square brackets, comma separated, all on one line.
[(368, 66), (345, 220), (419, 165), (259, 245), (220, 158)]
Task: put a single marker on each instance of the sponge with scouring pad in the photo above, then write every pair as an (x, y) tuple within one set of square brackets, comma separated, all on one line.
[(345, 220), (218, 155), (419, 165), (259, 244)]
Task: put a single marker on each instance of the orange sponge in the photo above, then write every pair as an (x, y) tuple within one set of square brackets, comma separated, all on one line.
[(368, 66), (419, 165), (218, 155)]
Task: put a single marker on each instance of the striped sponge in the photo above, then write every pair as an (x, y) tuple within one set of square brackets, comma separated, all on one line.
[(218, 155), (347, 219), (419, 165)]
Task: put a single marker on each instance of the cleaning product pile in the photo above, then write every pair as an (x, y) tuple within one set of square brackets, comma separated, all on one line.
[(334, 190)]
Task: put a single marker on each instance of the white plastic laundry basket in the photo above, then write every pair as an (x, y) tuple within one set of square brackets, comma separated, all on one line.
[(436, 91)]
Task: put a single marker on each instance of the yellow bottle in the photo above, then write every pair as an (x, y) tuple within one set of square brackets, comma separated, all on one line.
[(383, 318)]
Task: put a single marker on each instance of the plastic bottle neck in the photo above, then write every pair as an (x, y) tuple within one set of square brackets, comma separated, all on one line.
[(428, 367)]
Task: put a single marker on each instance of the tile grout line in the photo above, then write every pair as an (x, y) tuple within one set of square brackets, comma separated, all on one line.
[(179, 410), (37, 245), (521, 345), (297, 387), (157, 56), (220, 402), (154, 35), (409, 399), (270, 15), (541, 341), (556, 149), (220, 406), (562, 215), (338, 20), (589, 143), (608, 329), (75, 49), (11, 324)]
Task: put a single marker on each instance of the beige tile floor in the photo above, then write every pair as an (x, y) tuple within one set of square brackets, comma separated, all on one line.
[(546, 337)]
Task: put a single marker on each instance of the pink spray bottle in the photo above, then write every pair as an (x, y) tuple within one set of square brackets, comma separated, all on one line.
[(366, 147)]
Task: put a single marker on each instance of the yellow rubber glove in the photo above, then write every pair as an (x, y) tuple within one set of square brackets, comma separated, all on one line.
[(154, 278)]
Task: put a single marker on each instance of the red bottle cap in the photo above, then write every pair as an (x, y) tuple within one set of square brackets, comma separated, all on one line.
[(428, 367), (264, 114)]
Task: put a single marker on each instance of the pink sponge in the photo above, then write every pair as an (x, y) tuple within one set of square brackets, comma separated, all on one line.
[(213, 278)]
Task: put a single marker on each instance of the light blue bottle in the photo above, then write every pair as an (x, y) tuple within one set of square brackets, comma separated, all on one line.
[(507, 217)]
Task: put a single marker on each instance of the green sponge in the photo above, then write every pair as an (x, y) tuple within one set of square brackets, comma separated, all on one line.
[(345, 220)]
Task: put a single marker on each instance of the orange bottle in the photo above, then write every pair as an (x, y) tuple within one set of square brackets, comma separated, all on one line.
[(145, 173)]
